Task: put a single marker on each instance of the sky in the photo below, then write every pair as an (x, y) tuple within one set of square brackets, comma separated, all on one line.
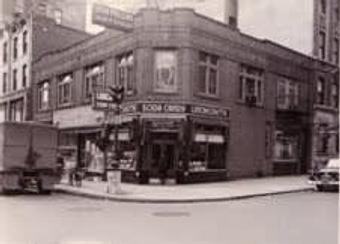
[(288, 22)]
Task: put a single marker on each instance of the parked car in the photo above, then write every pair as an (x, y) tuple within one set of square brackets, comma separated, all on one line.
[(326, 178)]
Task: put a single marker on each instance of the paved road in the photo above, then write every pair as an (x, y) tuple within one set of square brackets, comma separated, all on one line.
[(299, 218)]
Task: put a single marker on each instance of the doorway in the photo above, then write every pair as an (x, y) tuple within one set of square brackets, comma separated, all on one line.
[(163, 159)]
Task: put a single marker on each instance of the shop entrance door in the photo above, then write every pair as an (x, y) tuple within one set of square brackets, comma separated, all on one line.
[(163, 159)]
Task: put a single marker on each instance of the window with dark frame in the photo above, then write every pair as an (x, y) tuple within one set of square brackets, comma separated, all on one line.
[(15, 80), (65, 89), (125, 72), (208, 74), (323, 6), (24, 42), (165, 71), (251, 84), (24, 75), (321, 91), (336, 51), (335, 95), (322, 45), (5, 52), (4, 82), (15, 47), (288, 94), (94, 79), (44, 95)]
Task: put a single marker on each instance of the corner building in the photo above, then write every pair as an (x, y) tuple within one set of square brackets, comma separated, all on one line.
[(202, 98)]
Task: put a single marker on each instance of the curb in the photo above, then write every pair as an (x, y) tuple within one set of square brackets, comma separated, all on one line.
[(174, 201)]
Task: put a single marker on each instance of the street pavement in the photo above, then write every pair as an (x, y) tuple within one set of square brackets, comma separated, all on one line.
[(296, 218), (222, 191)]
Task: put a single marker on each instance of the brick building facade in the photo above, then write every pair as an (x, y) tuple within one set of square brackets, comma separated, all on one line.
[(206, 100)]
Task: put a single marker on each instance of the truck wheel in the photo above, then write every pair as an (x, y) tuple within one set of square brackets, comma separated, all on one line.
[(320, 187)]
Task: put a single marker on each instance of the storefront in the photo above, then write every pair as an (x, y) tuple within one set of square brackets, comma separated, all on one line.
[(181, 142)]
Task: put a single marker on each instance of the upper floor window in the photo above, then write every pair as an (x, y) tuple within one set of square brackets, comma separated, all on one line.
[(94, 79), (165, 71), (58, 16), (24, 42), (322, 45), (65, 89), (24, 75), (42, 8), (125, 72), (44, 95), (15, 47), (251, 85), (335, 95), (323, 6), (287, 94), (321, 91), (336, 51), (336, 14), (4, 82), (15, 79), (208, 74), (5, 51)]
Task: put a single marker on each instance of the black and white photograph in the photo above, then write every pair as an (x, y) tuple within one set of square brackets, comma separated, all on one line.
[(169, 121)]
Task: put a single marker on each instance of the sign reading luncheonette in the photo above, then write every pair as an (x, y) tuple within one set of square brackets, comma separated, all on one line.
[(112, 17)]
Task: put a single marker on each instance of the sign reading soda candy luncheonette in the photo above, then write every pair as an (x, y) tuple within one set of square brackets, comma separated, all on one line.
[(101, 102)]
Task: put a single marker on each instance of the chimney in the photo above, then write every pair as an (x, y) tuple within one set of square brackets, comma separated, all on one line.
[(231, 12)]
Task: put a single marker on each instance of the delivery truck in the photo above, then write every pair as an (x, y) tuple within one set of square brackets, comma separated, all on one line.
[(28, 157)]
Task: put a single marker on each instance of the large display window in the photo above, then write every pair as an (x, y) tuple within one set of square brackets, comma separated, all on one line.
[(208, 150)]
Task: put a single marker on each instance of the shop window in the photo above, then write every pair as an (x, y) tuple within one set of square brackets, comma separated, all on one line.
[(65, 89), (321, 91), (24, 42), (4, 82), (17, 110), (15, 80), (165, 78), (251, 85), (208, 74), (44, 95), (24, 75), (125, 73), (287, 94), (208, 150), (322, 45), (94, 79), (15, 47), (286, 147), (5, 52)]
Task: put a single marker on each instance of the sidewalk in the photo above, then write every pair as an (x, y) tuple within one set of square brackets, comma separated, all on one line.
[(208, 192)]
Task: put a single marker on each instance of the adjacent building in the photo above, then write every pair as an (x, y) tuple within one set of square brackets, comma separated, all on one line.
[(28, 33), (326, 48), (202, 100)]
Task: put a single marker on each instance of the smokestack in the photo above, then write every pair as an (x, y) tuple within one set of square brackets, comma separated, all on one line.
[(231, 12)]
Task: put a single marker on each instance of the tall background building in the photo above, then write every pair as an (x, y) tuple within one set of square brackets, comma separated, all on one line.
[(30, 29), (326, 30)]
